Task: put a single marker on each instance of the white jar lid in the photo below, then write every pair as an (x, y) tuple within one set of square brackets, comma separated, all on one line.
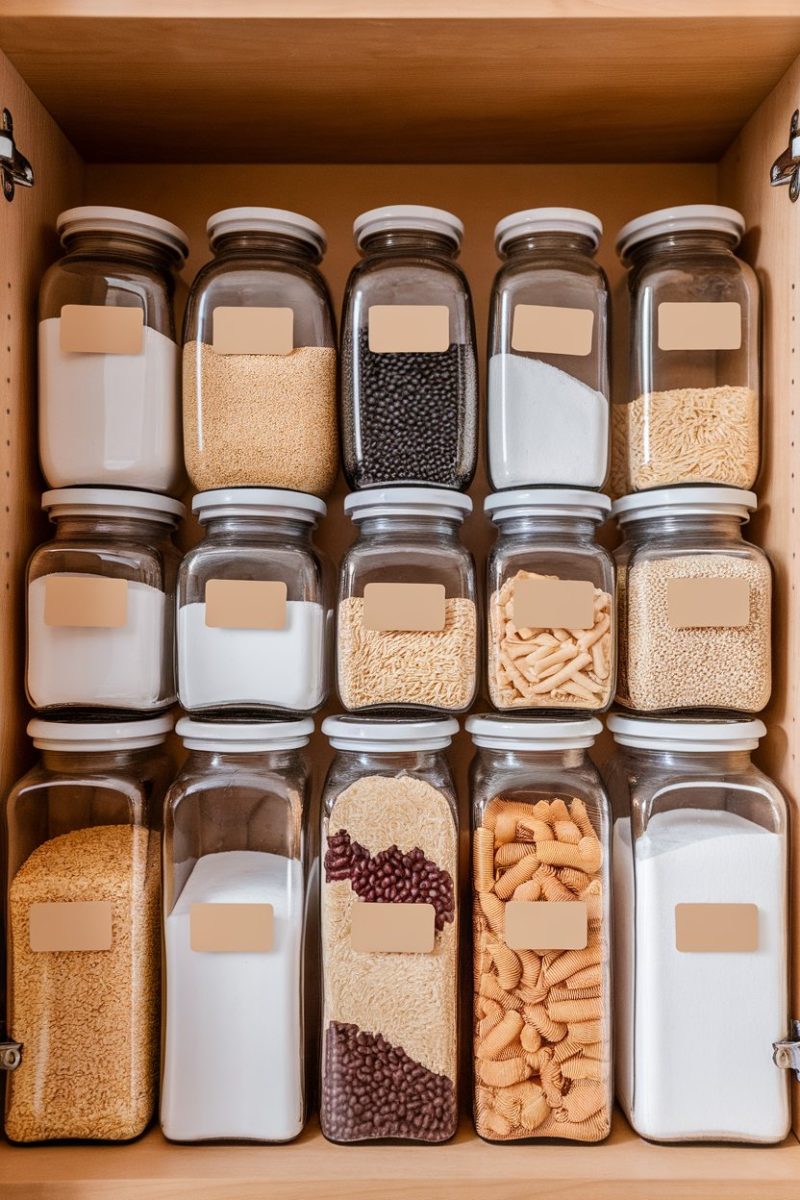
[(547, 220), (384, 736), (686, 218), (408, 217), (407, 502), (522, 733), (266, 220), (244, 737), (74, 501), (76, 737), (258, 502), (692, 737), (97, 218), (547, 502), (704, 500)]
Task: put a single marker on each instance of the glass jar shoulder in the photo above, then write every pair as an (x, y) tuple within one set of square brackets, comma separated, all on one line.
[(347, 770), (153, 564), (585, 560), (405, 279), (655, 790), (258, 559), (236, 781), (395, 559), (690, 545), (546, 271), (520, 779), (710, 275), (112, 282)]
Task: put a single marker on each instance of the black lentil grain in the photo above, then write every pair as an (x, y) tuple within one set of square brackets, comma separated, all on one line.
[(391, 877)]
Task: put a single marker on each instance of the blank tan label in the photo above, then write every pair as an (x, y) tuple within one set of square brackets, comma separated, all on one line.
[(409, 328), (404, 607), (553, 604), (546, 329), (698, 325), (716, 928), (70, 925), (546, 925), (232, 928), (245, 604), (392, 928), (84, 602), (253, 330), (97, 329), (708, 603)]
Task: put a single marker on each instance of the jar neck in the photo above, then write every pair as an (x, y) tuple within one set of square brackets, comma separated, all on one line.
[(551, 242), (65, 762), (705, 762), (259, 529), (413, 528), (695, 241), (205, 761), (570, 758), (401, 760), (407, 241), (252, 244), (127, 249), (672, 527), (569, 529), (93, 526)]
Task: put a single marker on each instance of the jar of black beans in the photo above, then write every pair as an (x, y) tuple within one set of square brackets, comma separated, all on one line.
[(409, 379)]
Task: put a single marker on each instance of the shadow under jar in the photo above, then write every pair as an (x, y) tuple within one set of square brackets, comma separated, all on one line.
[(409, 390)]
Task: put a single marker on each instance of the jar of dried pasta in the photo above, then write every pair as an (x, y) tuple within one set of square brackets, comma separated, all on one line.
[(541, 949), (406, 619), (551, 622), (692, 415), (694, 603)]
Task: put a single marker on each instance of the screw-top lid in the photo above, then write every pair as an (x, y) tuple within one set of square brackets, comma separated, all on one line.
[(244, 737), (76, 737), (685, 502), (116, 502), (692, 737), (686, 218), (382, 736), (258, 502), (407, 502), (547, 220), (521, 733), (547, 502), (130, 222), (403, 218), (266, 220)]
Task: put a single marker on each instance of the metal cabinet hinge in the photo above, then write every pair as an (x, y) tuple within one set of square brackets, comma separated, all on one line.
[(786, 1054), (15, 166), (10, 1054), (786, 168)]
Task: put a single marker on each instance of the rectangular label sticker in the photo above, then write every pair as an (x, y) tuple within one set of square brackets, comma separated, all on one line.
[(392, 928), (409, 328), (553, 604), (85, 602), (245, 604), (231, 928), (253, 330), (404, 607), (546, 925), (70, 925), (708, 603), (699, 325), (101, 329), (547, 329), (716, 928)]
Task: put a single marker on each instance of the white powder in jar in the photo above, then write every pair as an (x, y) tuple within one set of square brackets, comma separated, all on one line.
[(545, 426), (233, 1055), (109, 419), (695, 1031)]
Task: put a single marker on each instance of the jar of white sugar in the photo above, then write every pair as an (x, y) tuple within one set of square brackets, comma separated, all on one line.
[(390, 932), (548, 387), (84, 931), (692, 412), (259, 357), (109, 401), (101, 599), (694, 603), (255, 606), (700, 854), (407, 626), (237, 878), (551, 618)]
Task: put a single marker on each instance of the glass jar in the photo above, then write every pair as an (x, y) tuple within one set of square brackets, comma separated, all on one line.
[(407, 625), (237, 876), (389, 919), (255, 606), (259, 357), (694, 603), (693, 411), (101, 599), (548, 384), (541, 923), (551, 621), (84, 932), (109, 411), (700, 856), (409, 375)]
